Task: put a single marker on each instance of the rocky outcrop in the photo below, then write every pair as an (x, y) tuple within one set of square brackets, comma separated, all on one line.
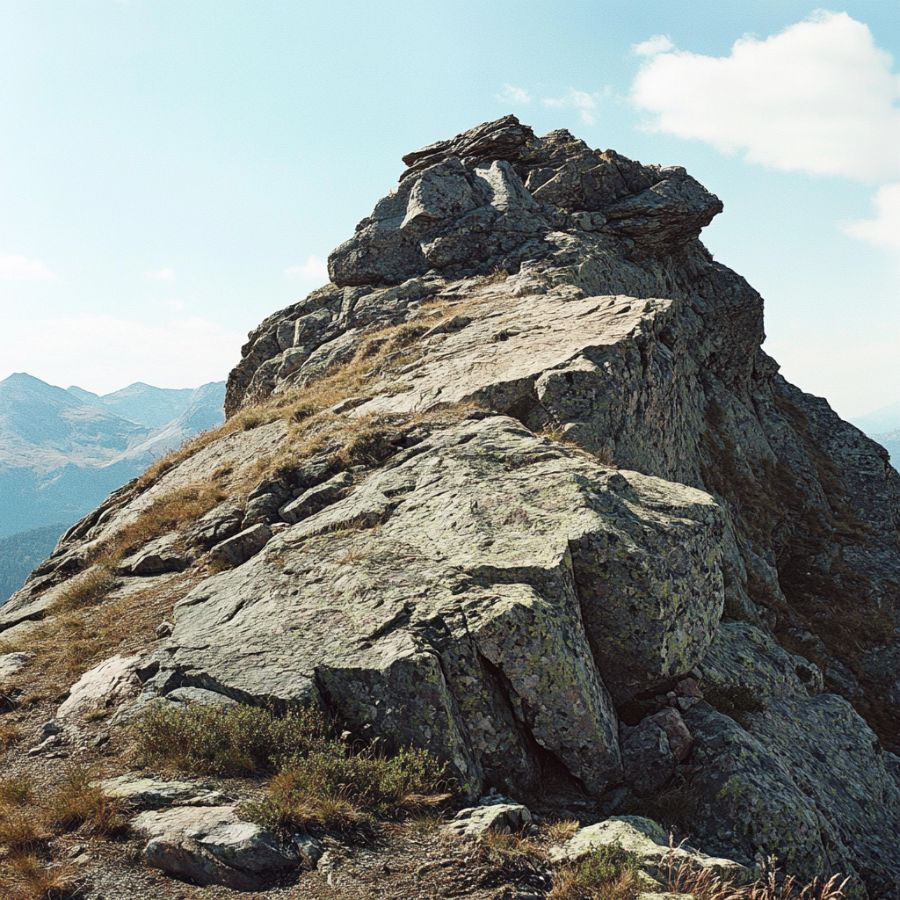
[(565, 524), (479, 645)]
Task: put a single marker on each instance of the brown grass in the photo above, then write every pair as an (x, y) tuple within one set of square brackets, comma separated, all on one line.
[(367, 372), (9, 734), (609, 873), (67, 644), (85, 589), (559, 831), (29, 821), (79, 803), (27, 876), (683, 876)]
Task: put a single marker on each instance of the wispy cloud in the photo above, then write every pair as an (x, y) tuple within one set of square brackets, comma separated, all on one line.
[(658, 43), (510, 93), (314, 269), (23, 268), (585, 102), (819, 97), (167, 273), (883, 229)]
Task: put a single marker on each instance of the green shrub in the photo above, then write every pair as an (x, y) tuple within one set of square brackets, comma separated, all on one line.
[(230, 740), (321, 781), (339, 790)]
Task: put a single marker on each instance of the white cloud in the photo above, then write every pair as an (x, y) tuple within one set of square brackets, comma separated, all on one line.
[(883, 229), (103, 353), (509, 93), (585, 102), (658, 43), (21, 268), (165, 274), (314, 269), (819, 97)]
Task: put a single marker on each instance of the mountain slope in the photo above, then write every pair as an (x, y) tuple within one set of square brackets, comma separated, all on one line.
[(520, 487), (63, 451), (891, 443), (20, 553), (144, 404)]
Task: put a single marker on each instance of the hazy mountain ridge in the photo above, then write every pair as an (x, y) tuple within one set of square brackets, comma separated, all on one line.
[(63, 451), (883, 425)]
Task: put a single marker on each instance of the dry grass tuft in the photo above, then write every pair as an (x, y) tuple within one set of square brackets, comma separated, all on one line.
[(29, 822), (9, 734), (561, 830), (78, 803), (510, 847), (168, 513), (609, 873), (29, 877), (86, 589), (703, 884)]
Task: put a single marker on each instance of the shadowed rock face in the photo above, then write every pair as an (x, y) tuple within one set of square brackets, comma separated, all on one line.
[(523, 588)]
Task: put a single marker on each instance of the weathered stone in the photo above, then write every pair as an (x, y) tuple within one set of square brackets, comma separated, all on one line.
[(12, 663), (238, 549), (108, 684), (648, 761), (212, 846), (155, 793), (317, 498), (502, 818), (217, 525), (157, 557), (677, 733), (481, 624), (649, 842)]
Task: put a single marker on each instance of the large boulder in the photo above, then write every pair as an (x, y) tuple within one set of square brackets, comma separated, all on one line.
[(482, 645)]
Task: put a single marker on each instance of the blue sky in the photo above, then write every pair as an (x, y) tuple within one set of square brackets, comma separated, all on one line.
[(172, 172)]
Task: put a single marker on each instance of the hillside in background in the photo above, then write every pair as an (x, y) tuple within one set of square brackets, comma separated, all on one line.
[(63, 451), (883, 425)]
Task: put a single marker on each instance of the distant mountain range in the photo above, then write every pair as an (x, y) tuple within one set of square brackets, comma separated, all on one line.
[(883, 425), (62, 451)]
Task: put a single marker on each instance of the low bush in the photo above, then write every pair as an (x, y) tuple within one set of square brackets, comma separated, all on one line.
[(226, 740), (320, 781), (336, 790)]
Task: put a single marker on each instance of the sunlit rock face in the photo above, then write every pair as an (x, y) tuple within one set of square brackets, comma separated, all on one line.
[(588, 537)]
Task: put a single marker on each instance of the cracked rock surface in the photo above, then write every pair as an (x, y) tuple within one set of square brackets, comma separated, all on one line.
[(632, 500)]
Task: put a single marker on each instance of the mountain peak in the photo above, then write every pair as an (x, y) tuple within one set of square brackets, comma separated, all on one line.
[(493, 197)]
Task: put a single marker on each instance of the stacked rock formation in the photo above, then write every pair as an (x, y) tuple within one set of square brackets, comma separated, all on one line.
[(609, 548)]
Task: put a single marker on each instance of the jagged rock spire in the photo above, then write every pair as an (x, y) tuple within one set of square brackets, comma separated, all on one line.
[(491, 197)]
